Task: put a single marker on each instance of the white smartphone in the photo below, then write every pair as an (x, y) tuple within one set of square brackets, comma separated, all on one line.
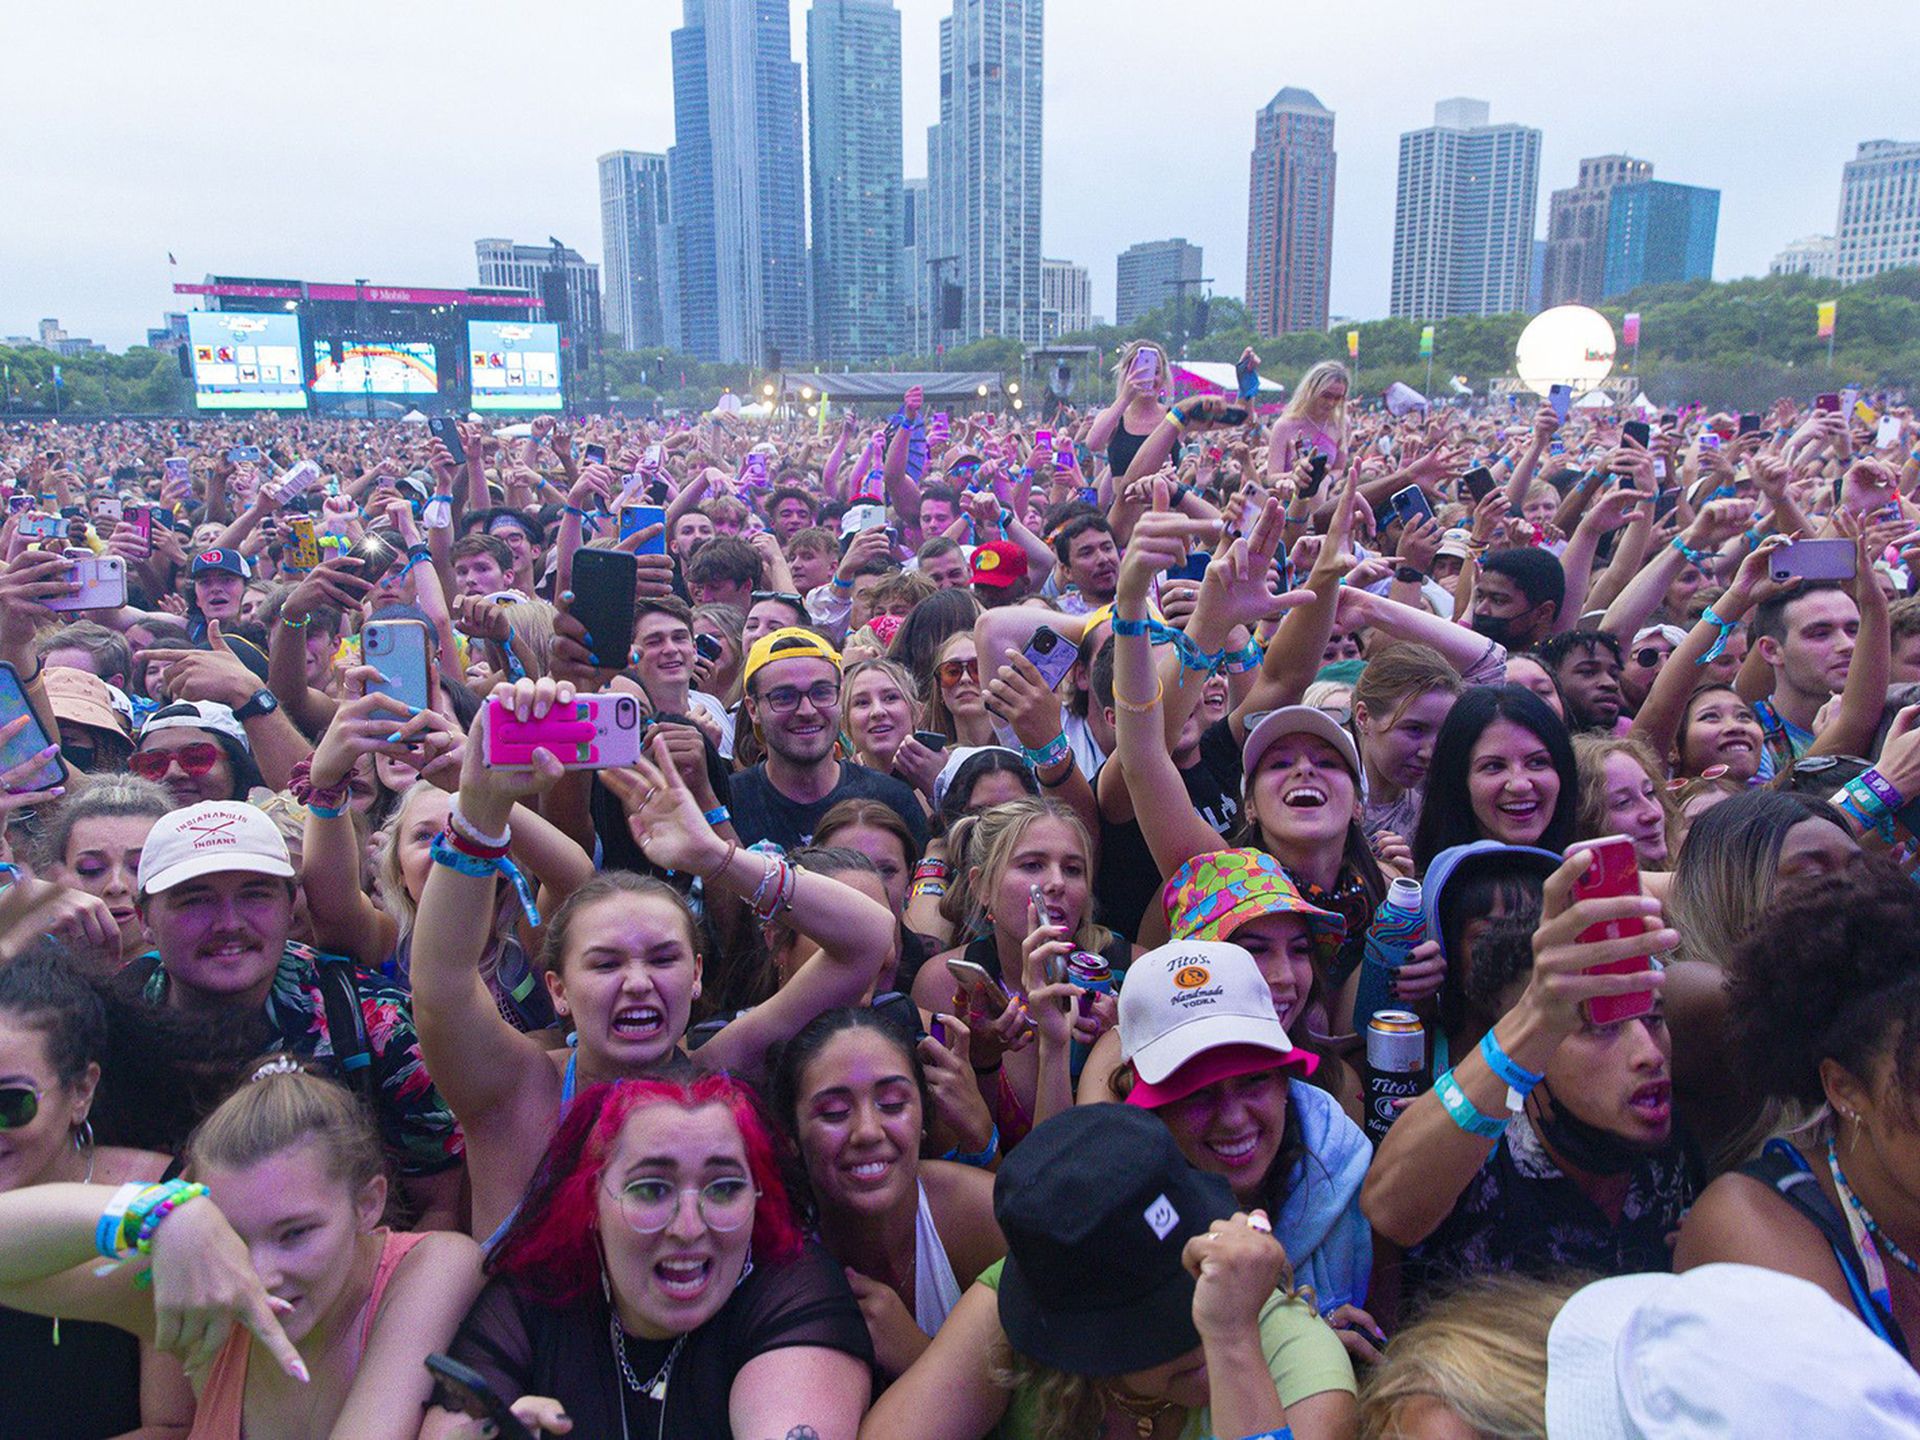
[(1888, 434), (103, 584), (297, 481), (398, 650)]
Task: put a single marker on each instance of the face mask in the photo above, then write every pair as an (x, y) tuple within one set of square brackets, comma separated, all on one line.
[(1584, 1146), (1497, 628)]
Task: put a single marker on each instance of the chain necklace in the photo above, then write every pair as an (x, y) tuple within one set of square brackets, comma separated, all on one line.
[(1885, 1241), (1145, 1414), (654, 1389)]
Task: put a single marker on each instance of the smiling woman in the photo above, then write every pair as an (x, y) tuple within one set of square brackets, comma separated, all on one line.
[(1503, 769)]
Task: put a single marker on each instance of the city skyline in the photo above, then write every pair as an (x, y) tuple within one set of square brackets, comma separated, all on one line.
[(106, 206)]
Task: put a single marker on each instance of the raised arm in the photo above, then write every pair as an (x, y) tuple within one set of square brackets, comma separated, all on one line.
[(1427, 1160), (856, 934), (1607, 514), (1658, 721), (1863, 698)]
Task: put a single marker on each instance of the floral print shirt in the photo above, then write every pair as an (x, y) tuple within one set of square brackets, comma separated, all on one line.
[(417, 1129)]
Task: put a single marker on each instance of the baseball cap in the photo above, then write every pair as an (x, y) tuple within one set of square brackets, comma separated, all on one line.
[(83, 698), (223, 559), (1720, 1350), (211, 838), (1451, 862), (998, 564), (1097, 1205), (790, 642), (1297, 720), (1211, 896), (1186, 999), (1455, 543), (197, 715)]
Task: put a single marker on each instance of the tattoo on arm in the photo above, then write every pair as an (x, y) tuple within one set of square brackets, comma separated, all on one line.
[(803, 1432)]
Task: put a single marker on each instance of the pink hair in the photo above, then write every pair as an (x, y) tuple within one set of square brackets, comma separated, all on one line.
[(551, 1250)]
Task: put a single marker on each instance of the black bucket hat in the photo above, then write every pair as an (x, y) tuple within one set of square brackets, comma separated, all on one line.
[(1097, 1205)]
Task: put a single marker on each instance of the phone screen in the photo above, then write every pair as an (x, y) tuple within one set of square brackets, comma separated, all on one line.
[(30, 741)]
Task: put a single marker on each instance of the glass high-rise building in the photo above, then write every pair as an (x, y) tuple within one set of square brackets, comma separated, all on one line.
[(1290, 214), (983, 166), (638, 294), (1463, 217), (736, 183), (1576, 271), (853, 126), (1658, 233), (916, 248)]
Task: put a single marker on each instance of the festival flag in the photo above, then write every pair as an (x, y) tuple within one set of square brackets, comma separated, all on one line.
[(1825, 311), (1630, 328), (1426, 342), (1353, 344)]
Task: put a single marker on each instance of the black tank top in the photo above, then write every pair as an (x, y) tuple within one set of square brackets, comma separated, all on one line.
[(1122, 448), (85, 1388)]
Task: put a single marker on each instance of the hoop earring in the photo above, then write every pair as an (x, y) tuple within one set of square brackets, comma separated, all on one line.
[(83, 1137)]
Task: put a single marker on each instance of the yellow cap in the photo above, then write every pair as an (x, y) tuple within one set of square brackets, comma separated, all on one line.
[(790, 643)]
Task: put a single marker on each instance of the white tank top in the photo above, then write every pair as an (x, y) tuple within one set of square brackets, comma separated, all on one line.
[(936, 1290)]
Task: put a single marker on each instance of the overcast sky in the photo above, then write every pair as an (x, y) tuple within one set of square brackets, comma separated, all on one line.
[(365, 138)]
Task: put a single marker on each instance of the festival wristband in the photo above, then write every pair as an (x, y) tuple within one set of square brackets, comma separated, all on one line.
[(106, 1235), (1049, 754), (1463, 1112), (719, 815), (1701, 558), (1519, 1080), (982, 1157), (1883, 791), (1726, 629), (1124, 626)]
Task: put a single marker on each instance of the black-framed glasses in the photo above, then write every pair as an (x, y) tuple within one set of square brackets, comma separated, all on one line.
[(785, 699), (649, 1204), (785, 597), (18, 1105)]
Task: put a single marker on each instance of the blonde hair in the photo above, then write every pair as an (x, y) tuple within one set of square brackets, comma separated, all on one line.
[(393, 885), (1590, 754), (988, 842), (894, 671), (1163, 378), (1316, 380), (283, 1106), (938, 716), (531, 622), (1481, 1352)]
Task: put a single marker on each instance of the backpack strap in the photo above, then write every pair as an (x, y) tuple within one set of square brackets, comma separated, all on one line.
[(346, 1023), (1783, 1167)]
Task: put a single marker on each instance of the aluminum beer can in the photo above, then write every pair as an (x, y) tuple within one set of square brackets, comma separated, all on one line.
[(1092, 974), (1396, 1066)]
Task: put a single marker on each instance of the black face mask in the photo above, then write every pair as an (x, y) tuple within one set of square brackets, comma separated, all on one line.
[(1585, 1147), (1497, 628)]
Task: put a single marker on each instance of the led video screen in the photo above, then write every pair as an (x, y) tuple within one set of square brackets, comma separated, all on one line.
[(515, 365), (245, 362), (374, 367)]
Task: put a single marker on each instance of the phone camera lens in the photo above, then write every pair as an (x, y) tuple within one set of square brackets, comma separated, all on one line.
[(624, 710)]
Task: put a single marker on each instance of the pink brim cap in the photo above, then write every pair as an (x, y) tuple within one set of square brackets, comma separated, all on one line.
[(1210, 1067)]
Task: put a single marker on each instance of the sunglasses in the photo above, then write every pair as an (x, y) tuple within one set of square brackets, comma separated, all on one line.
[(194, 760), (1649, 658), (18, 1105), (950, 671), (785, 597)]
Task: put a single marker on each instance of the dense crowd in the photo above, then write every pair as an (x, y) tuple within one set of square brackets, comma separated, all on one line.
[(1165, 922)]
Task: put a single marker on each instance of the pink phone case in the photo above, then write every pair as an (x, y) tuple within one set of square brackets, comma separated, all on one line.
[(595, 732), (1616, 871)]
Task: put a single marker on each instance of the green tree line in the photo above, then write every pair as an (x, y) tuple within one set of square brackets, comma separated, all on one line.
[(1737, 344)]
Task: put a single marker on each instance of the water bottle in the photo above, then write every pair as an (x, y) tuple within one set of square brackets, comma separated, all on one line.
[(1398, 925)]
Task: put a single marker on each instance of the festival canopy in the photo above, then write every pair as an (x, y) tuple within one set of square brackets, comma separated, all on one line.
[(1216, 377)]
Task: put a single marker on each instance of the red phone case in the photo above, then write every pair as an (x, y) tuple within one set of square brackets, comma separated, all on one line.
[(1615, 871)]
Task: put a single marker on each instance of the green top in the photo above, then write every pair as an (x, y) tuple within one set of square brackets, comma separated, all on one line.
[(1304, 1357)]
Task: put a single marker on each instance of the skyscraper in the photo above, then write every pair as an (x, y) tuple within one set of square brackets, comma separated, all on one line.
[(1879, 211), (1146, 276), (983, 160), (916, 242), (1577, 229), (1066, 298), (634, 248), (1809, 255), (853, 113), (736, 183), (1463, 218), (1290, 214), (1659, 232)]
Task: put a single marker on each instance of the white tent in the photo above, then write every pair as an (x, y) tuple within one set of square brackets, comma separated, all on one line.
[(413, 417), (728, 404), (1217, 377), (1643, 404), (1594, 400)]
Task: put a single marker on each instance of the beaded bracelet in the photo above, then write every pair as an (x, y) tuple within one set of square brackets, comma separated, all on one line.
[(458, 818), (1463, 1112), (177, 1196), (1519, 1080)]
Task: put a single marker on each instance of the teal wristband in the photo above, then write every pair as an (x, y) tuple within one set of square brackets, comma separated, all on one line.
[(1131, 627), (719, 815), (1051, 753), (979, 1158), (1463, 1112)]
